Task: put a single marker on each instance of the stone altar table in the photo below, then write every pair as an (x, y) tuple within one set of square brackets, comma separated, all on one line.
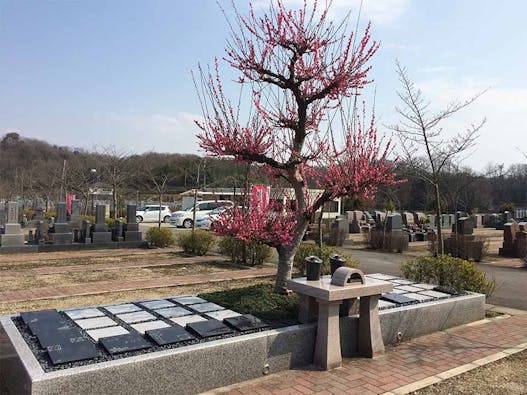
[(329, 297)]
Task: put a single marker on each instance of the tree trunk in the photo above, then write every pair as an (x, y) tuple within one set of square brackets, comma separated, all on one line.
[(286, 254), (439, 244), (160, 197)]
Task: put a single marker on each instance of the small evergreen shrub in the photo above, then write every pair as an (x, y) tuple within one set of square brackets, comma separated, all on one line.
[(450, 272), (387, 241), (308, 249), (199, 242), (245, 253), (160, 237)]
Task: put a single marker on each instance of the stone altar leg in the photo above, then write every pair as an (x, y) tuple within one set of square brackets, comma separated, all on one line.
[(370, 338), (307, 309), (349, 307), (327, 347)]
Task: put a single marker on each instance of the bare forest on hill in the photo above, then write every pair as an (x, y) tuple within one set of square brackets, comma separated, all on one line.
[(31, 169)]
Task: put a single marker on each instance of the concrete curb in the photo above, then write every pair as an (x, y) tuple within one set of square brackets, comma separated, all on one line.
[(437, 378)]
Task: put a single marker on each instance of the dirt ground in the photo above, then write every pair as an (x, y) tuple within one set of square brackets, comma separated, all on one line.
[(507, 376)]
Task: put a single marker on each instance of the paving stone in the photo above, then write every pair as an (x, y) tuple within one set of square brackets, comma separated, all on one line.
[(173, 312), (138, 316), (222, 314), (187, 300), (146, 326), (402, 281), (122, 308), (397, 298), (78, 314), (98, 322), (206, 307), (435, 294), (209, 328), (97, 334), (75, 349), (384, 304), (409, 288), (157, 304), (123, 343), (425, 286), (380, 276), (187, 319), (398, 291), (246, 322), (419, 297)]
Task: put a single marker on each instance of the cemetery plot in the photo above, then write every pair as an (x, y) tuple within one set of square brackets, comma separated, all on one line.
[(76, 337)]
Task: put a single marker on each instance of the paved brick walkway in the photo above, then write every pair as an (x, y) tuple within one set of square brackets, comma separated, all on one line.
[(116, 286), (406, 367)]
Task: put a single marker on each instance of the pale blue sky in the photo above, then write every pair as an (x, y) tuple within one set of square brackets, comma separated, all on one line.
[(85, 73)]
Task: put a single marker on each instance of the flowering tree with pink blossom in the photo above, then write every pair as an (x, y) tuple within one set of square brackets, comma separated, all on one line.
[(304, 72)]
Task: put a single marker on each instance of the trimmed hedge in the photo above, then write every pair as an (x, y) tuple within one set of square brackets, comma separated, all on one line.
[(450, 272), (245, 253), (160, 237), (198, 242)]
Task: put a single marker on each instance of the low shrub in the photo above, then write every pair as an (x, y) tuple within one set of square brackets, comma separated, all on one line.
[(160, 237), (258, 300), (387, 241), (198, 242), (324, 252), (245, 253), (90, 218), (450, 272)]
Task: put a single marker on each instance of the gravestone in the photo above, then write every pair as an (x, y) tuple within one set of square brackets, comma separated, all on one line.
[(131, 228), (408, 219), (394, 223), (85, 234), (124, 343), (380, 216), (510, 231), (521, 244), (117, 232), (2, 213), (464, 226), (209, 328), (39, 210), (419, 218), (100, 232), (41, 232), (75, 216), (355, 220), (12, 236), (62, 233), (174, 334)]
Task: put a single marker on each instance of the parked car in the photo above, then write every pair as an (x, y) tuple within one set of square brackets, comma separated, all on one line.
[(206, 221), (151, 214), (184, 217)]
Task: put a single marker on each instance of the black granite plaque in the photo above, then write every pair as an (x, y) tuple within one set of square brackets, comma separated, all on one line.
[(73, 349), (397, 298), (448, 290), (42, 315), (57, 336), (174, 334), (245, 322), (49, 325), (209, 328), (123, 343)]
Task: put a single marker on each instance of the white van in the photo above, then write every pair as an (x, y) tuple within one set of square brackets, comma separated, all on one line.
[(184, 217)]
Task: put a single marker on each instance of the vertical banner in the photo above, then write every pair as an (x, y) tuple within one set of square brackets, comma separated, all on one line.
[(260, 195), (69, 198)]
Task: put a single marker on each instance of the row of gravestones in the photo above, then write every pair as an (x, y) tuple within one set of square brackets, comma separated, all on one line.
[(514, 240), (61, 232)]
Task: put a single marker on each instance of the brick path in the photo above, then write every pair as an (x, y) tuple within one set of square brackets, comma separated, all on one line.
[(116, 286), (406, 367)]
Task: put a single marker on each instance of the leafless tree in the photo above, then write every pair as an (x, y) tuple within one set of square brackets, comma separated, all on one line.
[(423, 142), (158, 175)]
